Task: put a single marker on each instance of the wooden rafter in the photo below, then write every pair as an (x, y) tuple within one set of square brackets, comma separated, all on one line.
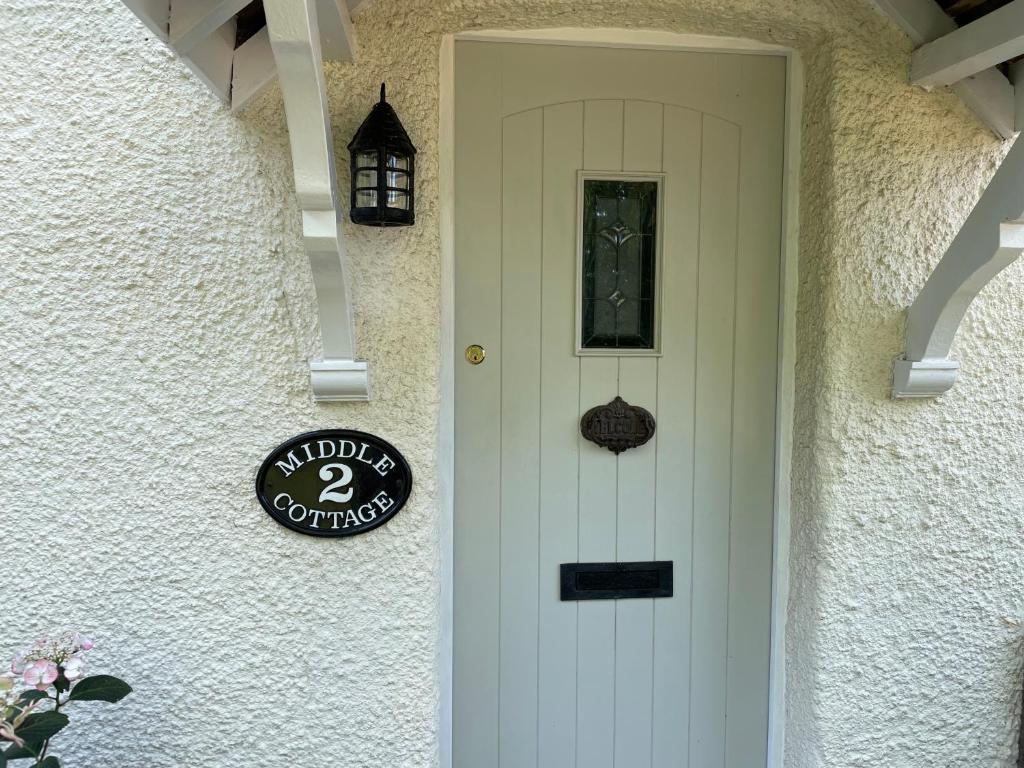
[(989, 93), (992, 39)]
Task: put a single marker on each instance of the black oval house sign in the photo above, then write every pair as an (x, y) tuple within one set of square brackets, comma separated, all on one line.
[(335, 482)]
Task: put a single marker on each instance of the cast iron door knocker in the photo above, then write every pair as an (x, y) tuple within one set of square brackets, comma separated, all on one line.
[(618, 426)]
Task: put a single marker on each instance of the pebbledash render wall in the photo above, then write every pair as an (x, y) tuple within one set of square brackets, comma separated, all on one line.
[(157, 315)]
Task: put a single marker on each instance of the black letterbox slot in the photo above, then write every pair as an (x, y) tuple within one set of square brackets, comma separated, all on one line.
[(616, 581)]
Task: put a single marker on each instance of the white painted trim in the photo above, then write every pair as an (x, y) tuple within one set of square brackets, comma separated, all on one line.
[(991, 239), (295, 41), (785, 407), (626, 38), (994, 38), (988, 94), (192, 21), (211, 59), (659, 179), (445, 462), (337, 35), (253, 70)]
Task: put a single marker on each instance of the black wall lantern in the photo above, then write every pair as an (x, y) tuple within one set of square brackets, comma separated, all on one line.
[(383, 165)]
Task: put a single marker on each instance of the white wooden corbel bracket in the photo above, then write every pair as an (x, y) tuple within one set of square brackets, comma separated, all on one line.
[(295, 41), (991, 239)]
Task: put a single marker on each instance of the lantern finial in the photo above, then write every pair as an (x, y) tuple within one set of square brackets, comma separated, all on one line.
[(382, 92)]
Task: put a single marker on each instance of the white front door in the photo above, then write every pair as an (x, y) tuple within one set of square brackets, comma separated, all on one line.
[(617, 234)]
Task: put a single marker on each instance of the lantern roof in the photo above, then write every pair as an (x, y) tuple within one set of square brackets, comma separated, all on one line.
[(382, 128)]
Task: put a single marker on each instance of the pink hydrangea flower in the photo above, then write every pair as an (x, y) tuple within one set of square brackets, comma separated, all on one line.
[(18, 663), (40, 674), (74, 668), (83, 642)]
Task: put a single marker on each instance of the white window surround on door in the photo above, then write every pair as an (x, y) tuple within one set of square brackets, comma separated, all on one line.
[(787, 344)]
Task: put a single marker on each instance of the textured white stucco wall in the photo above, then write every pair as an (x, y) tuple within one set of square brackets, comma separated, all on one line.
[(156, 320)]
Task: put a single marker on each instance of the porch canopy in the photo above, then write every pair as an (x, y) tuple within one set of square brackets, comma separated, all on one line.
[(238, 47)]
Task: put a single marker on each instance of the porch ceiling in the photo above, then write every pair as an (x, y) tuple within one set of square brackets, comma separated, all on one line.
[(965, 11)]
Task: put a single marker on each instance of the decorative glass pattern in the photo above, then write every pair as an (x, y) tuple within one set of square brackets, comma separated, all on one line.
[(619, 259)]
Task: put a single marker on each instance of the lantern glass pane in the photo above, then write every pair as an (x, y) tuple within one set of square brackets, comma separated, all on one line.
[(366, 179), (366, 159), (398, 161), (366, 198), (398, 199), (398, 179)]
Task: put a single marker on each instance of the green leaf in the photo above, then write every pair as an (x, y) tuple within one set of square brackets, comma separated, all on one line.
[(20, 753), (40, 726), (50, 762), (100, 688), (33, 696)]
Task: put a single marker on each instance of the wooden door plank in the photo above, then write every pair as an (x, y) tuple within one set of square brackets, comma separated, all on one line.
[(676, 385), (753, 444), (713, 429), (602, 134), (641, 142), (595, 737), (477, 387), (521, 188), (559, 479), (595, 663), (634, 620), (638, 384)]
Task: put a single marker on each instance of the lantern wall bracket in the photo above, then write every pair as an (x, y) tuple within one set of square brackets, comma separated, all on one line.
[(295, 41), (990, 240)]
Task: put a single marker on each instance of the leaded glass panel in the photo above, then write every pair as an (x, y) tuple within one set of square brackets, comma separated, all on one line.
[(619, 240)]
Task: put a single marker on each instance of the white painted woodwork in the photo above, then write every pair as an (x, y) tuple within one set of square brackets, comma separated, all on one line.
[(295, 41), (337, 35), (194, 20), (991, 239), (202, 34), (212, 58), (988, 94), (252, 70), (1017, 76), (996, 37), (614, 684)]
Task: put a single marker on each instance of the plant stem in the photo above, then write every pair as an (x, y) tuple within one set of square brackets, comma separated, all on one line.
[(46, 744)]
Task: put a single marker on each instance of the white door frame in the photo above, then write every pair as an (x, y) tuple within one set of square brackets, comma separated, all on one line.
[(623, 38)]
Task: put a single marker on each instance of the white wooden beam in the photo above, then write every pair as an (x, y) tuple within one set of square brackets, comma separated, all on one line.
[(252, 71), (991, 239), (295, 42), (337, 35), (192, 21), (988, 93), (992, 39), (212, 58)]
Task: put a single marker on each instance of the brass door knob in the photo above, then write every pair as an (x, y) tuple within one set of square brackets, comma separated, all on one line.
[(475, 354)]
